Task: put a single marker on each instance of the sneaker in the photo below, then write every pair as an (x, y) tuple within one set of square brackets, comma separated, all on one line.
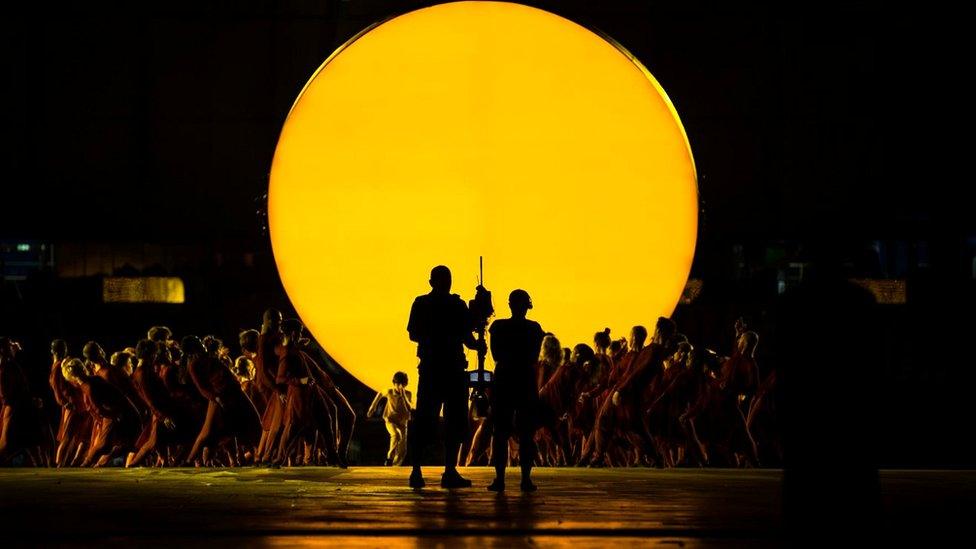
[(527, 486), (454, 480), (497, 485), (417, 480)]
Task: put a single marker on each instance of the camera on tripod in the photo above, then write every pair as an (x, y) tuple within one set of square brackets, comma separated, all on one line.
[(481, 310)]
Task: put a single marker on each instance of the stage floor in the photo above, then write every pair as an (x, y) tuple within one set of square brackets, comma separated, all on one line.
[(373, 507)]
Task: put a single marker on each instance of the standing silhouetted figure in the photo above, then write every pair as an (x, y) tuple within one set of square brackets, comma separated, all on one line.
[(515, 346), (827, 398), (441, 325)]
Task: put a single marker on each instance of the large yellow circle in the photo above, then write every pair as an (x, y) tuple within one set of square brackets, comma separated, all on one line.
[(479, 128)]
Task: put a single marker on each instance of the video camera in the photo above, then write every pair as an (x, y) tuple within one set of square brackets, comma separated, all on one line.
[(481, 310)]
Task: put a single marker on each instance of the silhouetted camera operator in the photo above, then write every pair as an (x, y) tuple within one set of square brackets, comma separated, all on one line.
[(442, 326)]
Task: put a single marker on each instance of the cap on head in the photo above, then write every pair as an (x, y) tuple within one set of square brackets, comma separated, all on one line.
[(519, 298)]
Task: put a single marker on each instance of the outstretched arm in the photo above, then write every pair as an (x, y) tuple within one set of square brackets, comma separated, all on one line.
[(373, 407)]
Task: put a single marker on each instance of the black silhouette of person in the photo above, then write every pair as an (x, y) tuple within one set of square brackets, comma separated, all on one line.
[(441, 325), (827, 336), (515, 346)]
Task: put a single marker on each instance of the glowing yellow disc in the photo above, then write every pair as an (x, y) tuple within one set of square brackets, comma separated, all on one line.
[(479, 128)]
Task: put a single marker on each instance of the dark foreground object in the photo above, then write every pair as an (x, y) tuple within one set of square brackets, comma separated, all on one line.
[(373, 507)]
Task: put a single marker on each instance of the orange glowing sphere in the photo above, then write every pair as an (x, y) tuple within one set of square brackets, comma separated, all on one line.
[(479, 129)]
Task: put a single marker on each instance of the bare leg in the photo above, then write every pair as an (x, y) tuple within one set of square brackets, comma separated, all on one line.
[(136, 458), (204, 435)]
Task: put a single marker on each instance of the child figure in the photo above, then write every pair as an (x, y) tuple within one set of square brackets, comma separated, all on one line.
[(396, 414)]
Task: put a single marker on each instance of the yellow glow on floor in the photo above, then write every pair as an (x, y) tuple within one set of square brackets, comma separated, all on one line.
[(480, 128)]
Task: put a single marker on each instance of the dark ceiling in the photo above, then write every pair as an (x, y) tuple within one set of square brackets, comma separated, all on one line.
[(159, 122)]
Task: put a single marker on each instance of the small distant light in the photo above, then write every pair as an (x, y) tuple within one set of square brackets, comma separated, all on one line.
[(23, 247)]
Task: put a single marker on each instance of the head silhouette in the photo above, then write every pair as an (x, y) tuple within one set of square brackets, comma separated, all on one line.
[(740, 326), (664, 330), (618, 345), (59, 348), (638, 336), (681, 353), (581, 354), (73, 370), (146, 351), (249, 341), (271, 321), (121, 360), (747, 342), (400, 378), (440, 279), (192, 345), (93, 352), (160, 333), (292, 328), (244, 368), (602, 340), (519, 302), (212, 344), (552, 351)]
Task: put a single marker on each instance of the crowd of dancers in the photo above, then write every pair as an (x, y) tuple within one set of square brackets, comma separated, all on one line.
[(169, 403), (634, 402), (621, 402)]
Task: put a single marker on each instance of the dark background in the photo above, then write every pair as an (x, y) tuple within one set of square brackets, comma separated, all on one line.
[(137, 138)]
